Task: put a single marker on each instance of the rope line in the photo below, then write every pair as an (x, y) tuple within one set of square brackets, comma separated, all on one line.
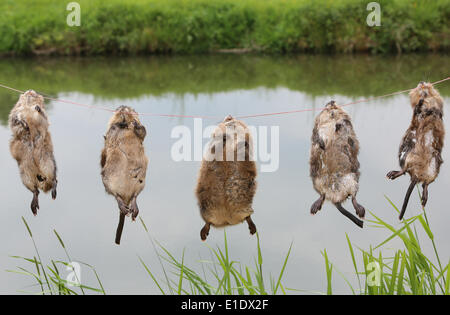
[(347, 104), (217, 117)]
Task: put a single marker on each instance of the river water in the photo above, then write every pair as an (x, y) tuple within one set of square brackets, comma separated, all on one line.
[(215, 85)]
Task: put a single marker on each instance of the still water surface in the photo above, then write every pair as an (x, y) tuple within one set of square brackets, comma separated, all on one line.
[(86, 217)]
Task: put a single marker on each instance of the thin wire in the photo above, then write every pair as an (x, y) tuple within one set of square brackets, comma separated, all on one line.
[(217, 117), (79, 104), (109, 109), (10, 88), (347, 104)]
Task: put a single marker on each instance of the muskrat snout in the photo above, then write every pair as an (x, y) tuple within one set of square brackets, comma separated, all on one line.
[(123, 124), (31, 93), (331, 103)]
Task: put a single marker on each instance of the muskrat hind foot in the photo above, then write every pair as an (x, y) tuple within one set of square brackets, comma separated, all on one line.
[(134, 210), (360, 211), (251, 225), (317, 205), (35, 203), (205, 232), (424, 194), (122, 207), (394, 174), (55, 184)]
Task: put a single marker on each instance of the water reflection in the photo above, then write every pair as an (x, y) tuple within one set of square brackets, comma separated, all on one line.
[(211, 85), (109, 78)]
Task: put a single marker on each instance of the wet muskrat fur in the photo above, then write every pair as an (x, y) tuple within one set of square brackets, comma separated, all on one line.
[(420, 150), (31, 146), (124, 163), (334, 166), (227, 178)]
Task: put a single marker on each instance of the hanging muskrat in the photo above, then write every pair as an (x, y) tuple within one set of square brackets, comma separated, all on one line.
[(31, 146), (124, 163), (334, 165), (420, 150), (226, 183)]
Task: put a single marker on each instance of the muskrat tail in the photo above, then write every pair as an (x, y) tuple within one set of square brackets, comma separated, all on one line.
[(405, 202), (354, 219), (120, 228)]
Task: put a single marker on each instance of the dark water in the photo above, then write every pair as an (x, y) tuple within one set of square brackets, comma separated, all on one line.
[(217, 86)]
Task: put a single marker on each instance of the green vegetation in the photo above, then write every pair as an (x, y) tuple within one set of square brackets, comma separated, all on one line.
[(218, 276), (405, 271), (198, 26), (48, 278)]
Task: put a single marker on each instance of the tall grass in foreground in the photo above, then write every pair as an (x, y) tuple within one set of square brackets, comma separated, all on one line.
[(48, 277), (407, 271), (228, 276)]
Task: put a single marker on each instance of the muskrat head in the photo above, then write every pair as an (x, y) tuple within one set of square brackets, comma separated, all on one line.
[(330, 111), (32, 101), (421, 92), (124, 117), (228, 119), (331, 105), (232, 135), (224, 129), (233, 126)]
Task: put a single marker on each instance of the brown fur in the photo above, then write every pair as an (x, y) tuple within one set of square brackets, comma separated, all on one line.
[(421, 146), (124, 163), (225, 187), (31, 146), (334, 165)]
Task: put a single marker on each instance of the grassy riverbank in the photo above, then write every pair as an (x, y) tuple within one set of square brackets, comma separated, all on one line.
[(199, 26)]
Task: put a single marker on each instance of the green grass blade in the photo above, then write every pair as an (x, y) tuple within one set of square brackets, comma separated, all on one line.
[(282, 270), (151, 275), (329, 271)]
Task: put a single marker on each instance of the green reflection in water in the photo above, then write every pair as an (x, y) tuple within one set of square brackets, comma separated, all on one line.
[(106, 77)]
